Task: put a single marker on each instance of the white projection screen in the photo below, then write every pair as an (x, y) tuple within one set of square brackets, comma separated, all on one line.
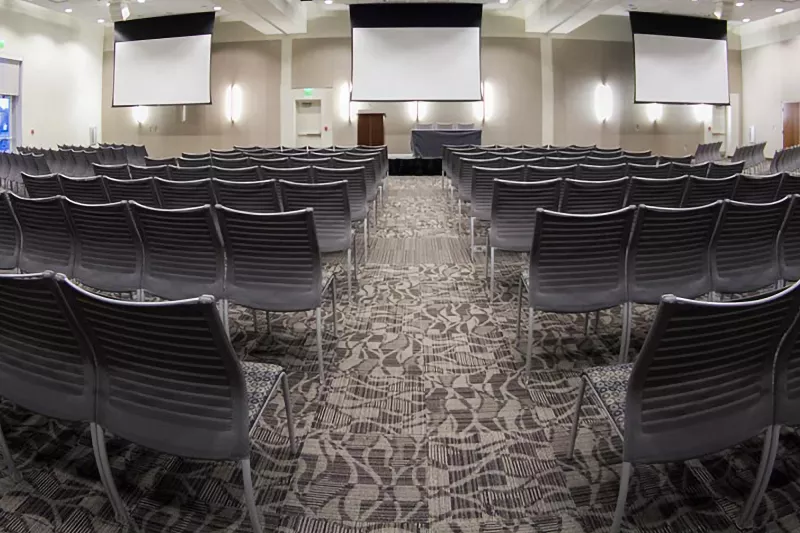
[(408, 52), (680, 60), (163, 63)]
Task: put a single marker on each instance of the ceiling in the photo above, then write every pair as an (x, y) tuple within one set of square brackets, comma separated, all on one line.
[(273, 17)]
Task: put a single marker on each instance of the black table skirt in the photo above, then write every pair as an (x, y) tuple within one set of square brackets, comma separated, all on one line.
[(416, 166)]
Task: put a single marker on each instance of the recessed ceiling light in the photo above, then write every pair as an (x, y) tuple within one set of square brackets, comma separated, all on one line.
[(68, 10), (141, 1), (329, 2), (101, 21), (503, 1), (778, 10), (217, 8), (745, 20), (739, 4)]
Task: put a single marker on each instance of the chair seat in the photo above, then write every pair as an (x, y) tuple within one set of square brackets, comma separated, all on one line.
[(261, 379), (610, 383), (511, 243)]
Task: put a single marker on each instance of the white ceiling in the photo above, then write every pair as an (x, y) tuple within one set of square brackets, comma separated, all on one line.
[(273, 17)]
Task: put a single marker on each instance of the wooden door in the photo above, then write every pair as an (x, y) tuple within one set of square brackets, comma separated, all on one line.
[(791, 124)]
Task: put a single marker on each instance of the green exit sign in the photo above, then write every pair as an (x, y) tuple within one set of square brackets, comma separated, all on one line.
[(2, 44), (308, 92)]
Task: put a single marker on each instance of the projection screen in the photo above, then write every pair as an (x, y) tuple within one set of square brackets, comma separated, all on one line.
[(680, 60), (163, 62), (407, 52)]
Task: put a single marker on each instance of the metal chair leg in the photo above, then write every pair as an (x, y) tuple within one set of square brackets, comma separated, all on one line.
[(289, 416), (349, 274), (12, 469), (333, 304), (619, 512), (320, 358), (269, 324), (625, 339), (491, 275), (249, 496), (768, 454), (366, 237), (596, 320), (573, 433), (472, 238), (140, 295), (106, 477), (586, 325), (529, 358), (519, 311), (486, 272)]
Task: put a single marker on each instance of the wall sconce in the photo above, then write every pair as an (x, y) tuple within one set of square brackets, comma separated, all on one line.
[(483, 108), (603, 102), (703, 113), (140, 114), (233, 103), (655, 112)]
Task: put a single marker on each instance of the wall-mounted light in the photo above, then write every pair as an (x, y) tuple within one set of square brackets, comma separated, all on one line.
[(603, 102), (233, 103), (483, 109), (703, 113), (655, 112), (140, 114)]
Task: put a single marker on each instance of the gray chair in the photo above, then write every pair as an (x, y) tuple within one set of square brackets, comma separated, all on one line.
[(669, 253), (648, 160), (194, 163), (269, 161), (118, 172), (46, 235), (654, 192), (141, 190), (790, 184), (704, 191), (465, 126), (307, 160), (593, 197), (9, 235), (688, 169), (577, 265), (540, 173), (230, 163), (196, 155), (160, 171), (189, 173), (356, 178), (274, 264), (293, 174), (331, 205), (168, 379), (724, 170), (702, 382), (662, 171), (682, 159), (483, 179), (237, 174), (556, 161), (371, 174), (744, 250), (789, 243), (181, 194), (183, 252), (41, 186), (108, 251), (44, 367), (757, 189), (159, 162), (84, 190), (249, 196), (601, 173), (464, 181), (514, 206)]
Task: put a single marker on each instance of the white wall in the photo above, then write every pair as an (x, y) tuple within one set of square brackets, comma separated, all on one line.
[(769, 78), (62, 72)]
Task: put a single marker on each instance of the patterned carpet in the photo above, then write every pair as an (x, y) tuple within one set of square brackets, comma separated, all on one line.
[(426, 423)]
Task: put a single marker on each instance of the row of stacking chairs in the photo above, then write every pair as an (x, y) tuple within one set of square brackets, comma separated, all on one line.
[(63, 159), (465, 170), (335, 201), (13, 165), (583, 263), (161, 375), (510, 206), (752, 155), (786, 160), (709, 376), (266, 261), (708, 152)]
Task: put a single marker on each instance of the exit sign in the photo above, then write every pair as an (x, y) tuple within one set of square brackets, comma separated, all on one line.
[(308, 92)]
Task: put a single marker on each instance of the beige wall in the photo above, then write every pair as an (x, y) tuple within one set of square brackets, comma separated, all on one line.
[(770, 78), (254, 65), (511, 70), (578, 67)]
